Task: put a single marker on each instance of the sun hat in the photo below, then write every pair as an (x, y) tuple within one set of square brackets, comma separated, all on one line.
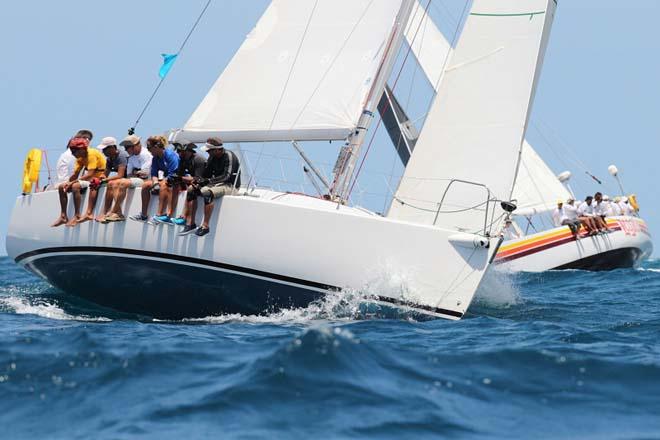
[(107, 142), (130, 141)]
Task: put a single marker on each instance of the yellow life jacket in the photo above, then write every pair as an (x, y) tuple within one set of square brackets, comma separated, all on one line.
[(31, 169)]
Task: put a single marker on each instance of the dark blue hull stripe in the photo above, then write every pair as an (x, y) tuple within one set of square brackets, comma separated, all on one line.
[(43, 253)]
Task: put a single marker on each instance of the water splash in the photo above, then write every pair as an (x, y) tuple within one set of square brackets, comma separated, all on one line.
[(42, 308), (498, 290)]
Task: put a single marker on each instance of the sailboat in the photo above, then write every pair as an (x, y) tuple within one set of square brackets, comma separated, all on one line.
[(310, 71), (536, 244)]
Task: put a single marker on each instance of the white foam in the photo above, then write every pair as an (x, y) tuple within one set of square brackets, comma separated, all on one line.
[(642, 269), (41, 308), (335, 306), (497, 289)]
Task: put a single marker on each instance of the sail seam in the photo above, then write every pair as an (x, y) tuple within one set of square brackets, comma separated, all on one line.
[(520, 14)]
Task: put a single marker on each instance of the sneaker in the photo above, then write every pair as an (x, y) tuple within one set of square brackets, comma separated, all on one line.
[(162, 219), (200, 232), (187, 229), (179, 221), (139, 218)]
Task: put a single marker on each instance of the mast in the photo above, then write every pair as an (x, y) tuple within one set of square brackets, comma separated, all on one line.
[(351, 152)]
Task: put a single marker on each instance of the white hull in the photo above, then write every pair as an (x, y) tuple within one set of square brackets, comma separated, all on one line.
[(627, 246), (266, 251)]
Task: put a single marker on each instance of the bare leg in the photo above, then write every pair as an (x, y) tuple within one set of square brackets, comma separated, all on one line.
[(120, 196), (107, 204), (64, 200), (164, 198), (174, 200), (208, 210), (77, 200), (91, 204), (146, 196)]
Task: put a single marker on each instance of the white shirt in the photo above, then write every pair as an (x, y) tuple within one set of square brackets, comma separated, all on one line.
[(626, 209), (65, 166), (558, 216), (616, 209), (139, 162), (571, 212), (600, 208), (586, 210)]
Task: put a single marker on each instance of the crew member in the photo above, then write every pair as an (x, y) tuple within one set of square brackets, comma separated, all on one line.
[(221, 177), (164, 164), (93, 161), (191, 166), (115, 170)]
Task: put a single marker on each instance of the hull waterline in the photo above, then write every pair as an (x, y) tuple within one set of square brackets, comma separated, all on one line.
[(248, 265)]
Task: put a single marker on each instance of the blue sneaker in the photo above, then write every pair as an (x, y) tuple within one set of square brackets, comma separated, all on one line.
[(162, 219), (179, 221)]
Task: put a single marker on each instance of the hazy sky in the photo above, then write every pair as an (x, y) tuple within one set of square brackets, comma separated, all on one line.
[(80, 64)]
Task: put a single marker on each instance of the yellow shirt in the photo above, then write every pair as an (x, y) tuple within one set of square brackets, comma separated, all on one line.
[(95, 161)]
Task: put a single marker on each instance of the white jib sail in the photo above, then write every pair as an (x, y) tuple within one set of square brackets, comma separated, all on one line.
[(476, 125), (537, 188), (303, 73)]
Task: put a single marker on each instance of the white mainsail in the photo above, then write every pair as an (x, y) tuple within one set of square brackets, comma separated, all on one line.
[(475, 129), (537, 188), (303, 73)]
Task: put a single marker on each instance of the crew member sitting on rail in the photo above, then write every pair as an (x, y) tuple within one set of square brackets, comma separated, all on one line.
[(93, 161), (626, 209), (572, 220), (66, 163), (115, 170), (586, 215), (600, 212), (566, 216), (221, 177), (164, 164), (191, 165)]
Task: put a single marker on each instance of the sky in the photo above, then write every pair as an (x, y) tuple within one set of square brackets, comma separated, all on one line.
[(78, 64)]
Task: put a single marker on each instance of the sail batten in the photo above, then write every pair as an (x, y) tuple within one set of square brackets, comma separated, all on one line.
[(476, 125), (304, 73)]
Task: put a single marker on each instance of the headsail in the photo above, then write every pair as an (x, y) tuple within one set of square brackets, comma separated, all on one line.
[(303, 73), (477, 122), (537, 188)]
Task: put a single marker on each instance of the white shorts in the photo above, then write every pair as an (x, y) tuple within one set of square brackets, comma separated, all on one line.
[(136, 182), (84, 184)]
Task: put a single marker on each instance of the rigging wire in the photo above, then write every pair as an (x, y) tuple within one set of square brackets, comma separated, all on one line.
[(160, 83), (380, 120)]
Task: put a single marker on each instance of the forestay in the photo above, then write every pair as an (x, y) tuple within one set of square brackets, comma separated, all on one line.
[(476, 125), (537, 188), (303, 73)]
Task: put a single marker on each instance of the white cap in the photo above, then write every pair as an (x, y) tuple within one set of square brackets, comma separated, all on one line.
[(107, 142), (624, 199), (606, 198)]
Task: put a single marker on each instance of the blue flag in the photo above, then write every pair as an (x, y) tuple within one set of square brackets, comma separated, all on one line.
[(168, 62)]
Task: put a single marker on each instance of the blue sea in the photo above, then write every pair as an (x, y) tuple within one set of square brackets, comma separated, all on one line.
[(555, 355)]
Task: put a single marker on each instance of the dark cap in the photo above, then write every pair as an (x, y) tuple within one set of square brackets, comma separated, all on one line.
[(184, 146), (215, 141)]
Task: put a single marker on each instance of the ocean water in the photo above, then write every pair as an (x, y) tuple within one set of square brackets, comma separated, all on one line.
[(555, 355)]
